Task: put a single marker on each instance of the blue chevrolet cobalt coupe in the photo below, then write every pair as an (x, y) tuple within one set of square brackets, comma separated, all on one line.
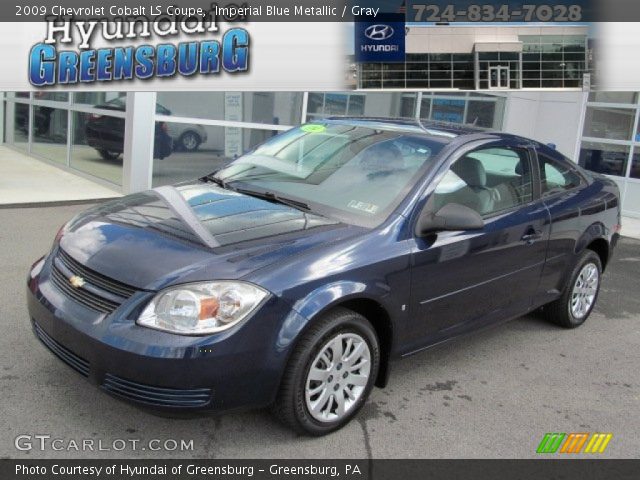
[(291, 277)]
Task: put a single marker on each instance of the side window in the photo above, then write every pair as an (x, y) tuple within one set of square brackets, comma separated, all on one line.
[(556, 177), (488, 180)]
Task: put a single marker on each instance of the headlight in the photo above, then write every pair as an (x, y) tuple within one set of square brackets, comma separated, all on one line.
[(201, 308)]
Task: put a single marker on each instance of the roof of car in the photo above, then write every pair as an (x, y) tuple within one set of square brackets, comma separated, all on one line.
[(431, 127)]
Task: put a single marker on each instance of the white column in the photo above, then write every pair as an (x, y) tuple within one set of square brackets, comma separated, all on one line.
[(139, 133), (2, 125), (10, 112), (305, 105)]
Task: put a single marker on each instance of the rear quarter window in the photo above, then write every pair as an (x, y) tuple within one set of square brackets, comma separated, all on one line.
[(557, 176)]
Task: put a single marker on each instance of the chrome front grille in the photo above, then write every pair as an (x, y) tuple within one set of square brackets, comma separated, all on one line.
[(98, 292), (100, 281)]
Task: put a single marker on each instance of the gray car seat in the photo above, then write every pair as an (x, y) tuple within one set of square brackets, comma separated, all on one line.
[(476, 195)]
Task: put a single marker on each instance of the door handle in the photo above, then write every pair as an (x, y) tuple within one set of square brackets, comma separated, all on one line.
[(531, 236)]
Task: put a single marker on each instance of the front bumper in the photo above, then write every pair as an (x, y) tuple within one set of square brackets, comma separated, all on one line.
[(238, 368)]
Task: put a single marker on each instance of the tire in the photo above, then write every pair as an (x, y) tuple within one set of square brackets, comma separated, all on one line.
[(299, 385), (563, 311), (189, 141), (108, 154)]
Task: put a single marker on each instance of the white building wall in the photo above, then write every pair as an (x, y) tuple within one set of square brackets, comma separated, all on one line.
[(548, 117), (462, 38)]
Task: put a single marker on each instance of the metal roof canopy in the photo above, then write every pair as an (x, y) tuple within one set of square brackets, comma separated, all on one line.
[(498, 47)]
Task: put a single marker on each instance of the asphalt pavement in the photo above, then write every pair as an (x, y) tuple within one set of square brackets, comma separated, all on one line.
[(490, 395)]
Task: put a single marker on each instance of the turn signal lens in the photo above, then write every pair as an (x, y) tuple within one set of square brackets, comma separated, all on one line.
[(208, 307)]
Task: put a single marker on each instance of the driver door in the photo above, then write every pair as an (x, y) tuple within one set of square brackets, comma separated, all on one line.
[(462, 280)]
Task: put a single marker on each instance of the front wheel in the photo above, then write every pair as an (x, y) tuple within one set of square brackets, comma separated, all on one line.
[(330, 374), (580, 294)]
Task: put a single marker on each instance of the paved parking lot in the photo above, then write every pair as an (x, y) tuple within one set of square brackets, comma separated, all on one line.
[(494, 394)]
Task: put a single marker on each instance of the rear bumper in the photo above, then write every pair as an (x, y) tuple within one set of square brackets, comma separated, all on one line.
[(240, 369)]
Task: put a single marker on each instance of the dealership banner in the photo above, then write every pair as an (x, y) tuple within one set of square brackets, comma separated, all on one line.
[(357, 469), (332, 10), (279, 45)]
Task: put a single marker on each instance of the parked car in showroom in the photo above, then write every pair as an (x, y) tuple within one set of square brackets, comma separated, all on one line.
[(186, 136), (295, 274), (106, 133)]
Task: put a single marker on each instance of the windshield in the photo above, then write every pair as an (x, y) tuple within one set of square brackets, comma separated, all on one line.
[(356, 174)]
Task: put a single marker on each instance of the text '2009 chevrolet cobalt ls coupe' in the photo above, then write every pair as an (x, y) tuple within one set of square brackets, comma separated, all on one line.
[(292, 276)]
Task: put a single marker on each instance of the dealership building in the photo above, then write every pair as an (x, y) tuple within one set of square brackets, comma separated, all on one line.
[(485, 57), (599, 130)]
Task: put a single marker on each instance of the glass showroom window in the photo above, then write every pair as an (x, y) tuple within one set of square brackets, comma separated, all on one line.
[(629, 98), (421, 70), (97, 144), (635, 164), (335, 104), (371, 75), (272, 108), (375, 104), (51, 96), (609, 123), (49, 133), (553, 61), (41, 124), (472, 108), (49, 126), (383, 75), (608, 133), (16, 119), (607, 158), (21, 113), (223, 144), (207, 129), (611, 143), (96, 99)]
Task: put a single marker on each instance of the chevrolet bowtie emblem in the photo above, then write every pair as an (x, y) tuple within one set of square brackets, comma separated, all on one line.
[(76, 281)]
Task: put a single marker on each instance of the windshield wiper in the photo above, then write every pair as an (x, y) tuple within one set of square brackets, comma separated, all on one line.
[(272, 197), (218, 181)]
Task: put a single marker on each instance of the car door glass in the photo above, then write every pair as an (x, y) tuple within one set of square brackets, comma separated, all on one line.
[(555, 177), (488, 180)]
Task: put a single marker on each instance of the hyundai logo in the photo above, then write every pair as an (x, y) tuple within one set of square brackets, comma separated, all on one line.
[(378, 32)]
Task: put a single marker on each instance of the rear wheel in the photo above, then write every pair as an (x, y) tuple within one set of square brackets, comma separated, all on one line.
[(189, 141), (580, 294), (330, 374)]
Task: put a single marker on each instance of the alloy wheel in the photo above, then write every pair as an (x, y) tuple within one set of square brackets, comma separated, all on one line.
[(189, 141), (584, 291)]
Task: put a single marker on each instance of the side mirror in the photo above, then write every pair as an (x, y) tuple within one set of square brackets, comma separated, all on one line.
[(452, 216)]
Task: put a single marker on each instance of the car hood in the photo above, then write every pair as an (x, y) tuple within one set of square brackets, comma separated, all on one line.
[(192, 232)]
